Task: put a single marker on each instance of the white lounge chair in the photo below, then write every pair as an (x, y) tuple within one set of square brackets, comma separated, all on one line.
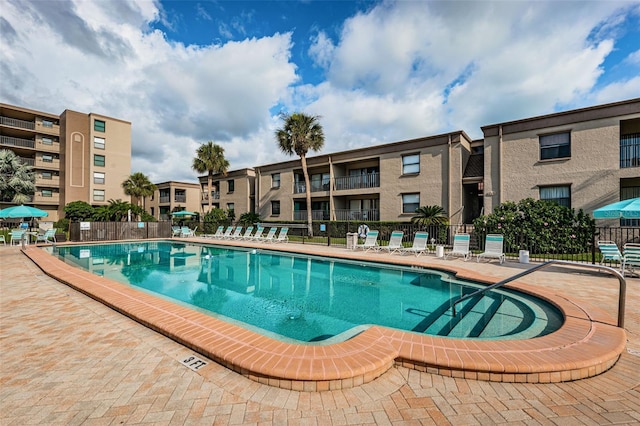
[(460, 246), (419, 245), (16, 236), (247, 233), (270, 235), (218, 234), (227, 233), (493, 247), (395, 242), (282, 236), (609, 251), (631, 258), (370, 242), (176, 231), (237, 233), (257, 236)]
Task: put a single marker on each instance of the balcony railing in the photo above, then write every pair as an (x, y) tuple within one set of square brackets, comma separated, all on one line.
[(14, 122), (300, 187), (370, 180), (180, 199), (165, 199), (205, 196), (18, 142), (315, 215), (347, 214), (28, 161)]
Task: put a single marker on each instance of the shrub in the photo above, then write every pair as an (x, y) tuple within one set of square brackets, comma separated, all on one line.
[(539, 226)]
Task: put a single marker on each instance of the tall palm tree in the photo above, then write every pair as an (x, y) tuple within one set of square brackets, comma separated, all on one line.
[(139, 186), (299, 134), (430, 215), (210, 159), (17, 180)]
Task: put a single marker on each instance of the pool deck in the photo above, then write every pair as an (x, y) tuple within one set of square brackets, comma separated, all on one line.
[(28, 316)]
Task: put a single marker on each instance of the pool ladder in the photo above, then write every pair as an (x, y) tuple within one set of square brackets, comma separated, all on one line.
[(621, 280)]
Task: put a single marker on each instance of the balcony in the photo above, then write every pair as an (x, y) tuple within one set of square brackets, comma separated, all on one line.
[(17, 142), (14, 122), (54, 199), (205, 196), (300, 187), (315, 215), (53, 182), (349, 215), (28, 161), (165, 199), (180, 199), (370, 180)]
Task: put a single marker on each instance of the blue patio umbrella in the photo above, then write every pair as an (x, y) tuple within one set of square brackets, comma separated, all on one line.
[(183, 213), (21, 212), (626, 209)]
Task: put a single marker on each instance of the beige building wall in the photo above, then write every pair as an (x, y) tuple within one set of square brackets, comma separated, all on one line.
[(235, 189), (514, 169), (171, 195)]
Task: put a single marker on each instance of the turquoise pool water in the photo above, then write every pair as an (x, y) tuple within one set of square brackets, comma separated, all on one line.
[(312, 299)]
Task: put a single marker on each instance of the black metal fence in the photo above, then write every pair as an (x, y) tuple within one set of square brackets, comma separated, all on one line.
[(110, 231)]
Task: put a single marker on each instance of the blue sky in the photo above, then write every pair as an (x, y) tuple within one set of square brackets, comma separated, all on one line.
[(185, 72)]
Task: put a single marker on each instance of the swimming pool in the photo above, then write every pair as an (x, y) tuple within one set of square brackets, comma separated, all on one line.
[(310, 298)]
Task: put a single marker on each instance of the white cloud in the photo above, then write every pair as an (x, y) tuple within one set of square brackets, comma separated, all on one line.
[(400, 70)]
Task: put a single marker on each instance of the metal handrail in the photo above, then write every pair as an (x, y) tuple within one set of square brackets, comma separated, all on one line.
[(621, 280)]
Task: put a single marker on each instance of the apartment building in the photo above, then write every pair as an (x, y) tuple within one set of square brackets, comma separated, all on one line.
[(583, 158), (173, 196), (233, 191), (385, 182), (75, 156)]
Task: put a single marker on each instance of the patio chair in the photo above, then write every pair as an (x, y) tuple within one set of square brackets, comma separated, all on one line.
[(370, 243), (609, 251), (631, 258), (395, 242), (282, 236), (419, 245), (176, 231), (237, 233), (493, 247), (270, 235), (3, 239), (460, 247), (185, 231), (218, 233), (227, 233), (257, 236), (16, 236), (48, 237), (247, 233)]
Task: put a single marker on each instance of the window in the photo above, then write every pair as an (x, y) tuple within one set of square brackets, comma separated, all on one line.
[(98, 177), (275, 208), (47, 123), (630, 150), (410, 203), (98, 195), (46, 175), (98, 160), (47, 141), (47, 158), (558, 194), (275, 180), (99, 126), (47, 193), (557, 145), (232, 185), (98, 142), (410, 164)]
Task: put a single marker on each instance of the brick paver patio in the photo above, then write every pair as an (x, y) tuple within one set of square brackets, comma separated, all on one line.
[(67, 359)]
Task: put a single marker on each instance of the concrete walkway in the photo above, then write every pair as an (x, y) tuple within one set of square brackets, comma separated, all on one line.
[(66, 359)]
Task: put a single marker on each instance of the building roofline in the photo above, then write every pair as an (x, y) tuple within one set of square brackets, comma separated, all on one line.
[(175, 182), (373, 150), (629, 106), (29, 111)]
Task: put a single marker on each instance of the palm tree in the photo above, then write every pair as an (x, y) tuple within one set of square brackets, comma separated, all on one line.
[(139, 186), (210, 159), (17, 180), (299, 134), (430, 215)]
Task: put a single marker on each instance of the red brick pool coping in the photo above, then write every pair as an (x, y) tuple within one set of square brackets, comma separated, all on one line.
[(587, 344)]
